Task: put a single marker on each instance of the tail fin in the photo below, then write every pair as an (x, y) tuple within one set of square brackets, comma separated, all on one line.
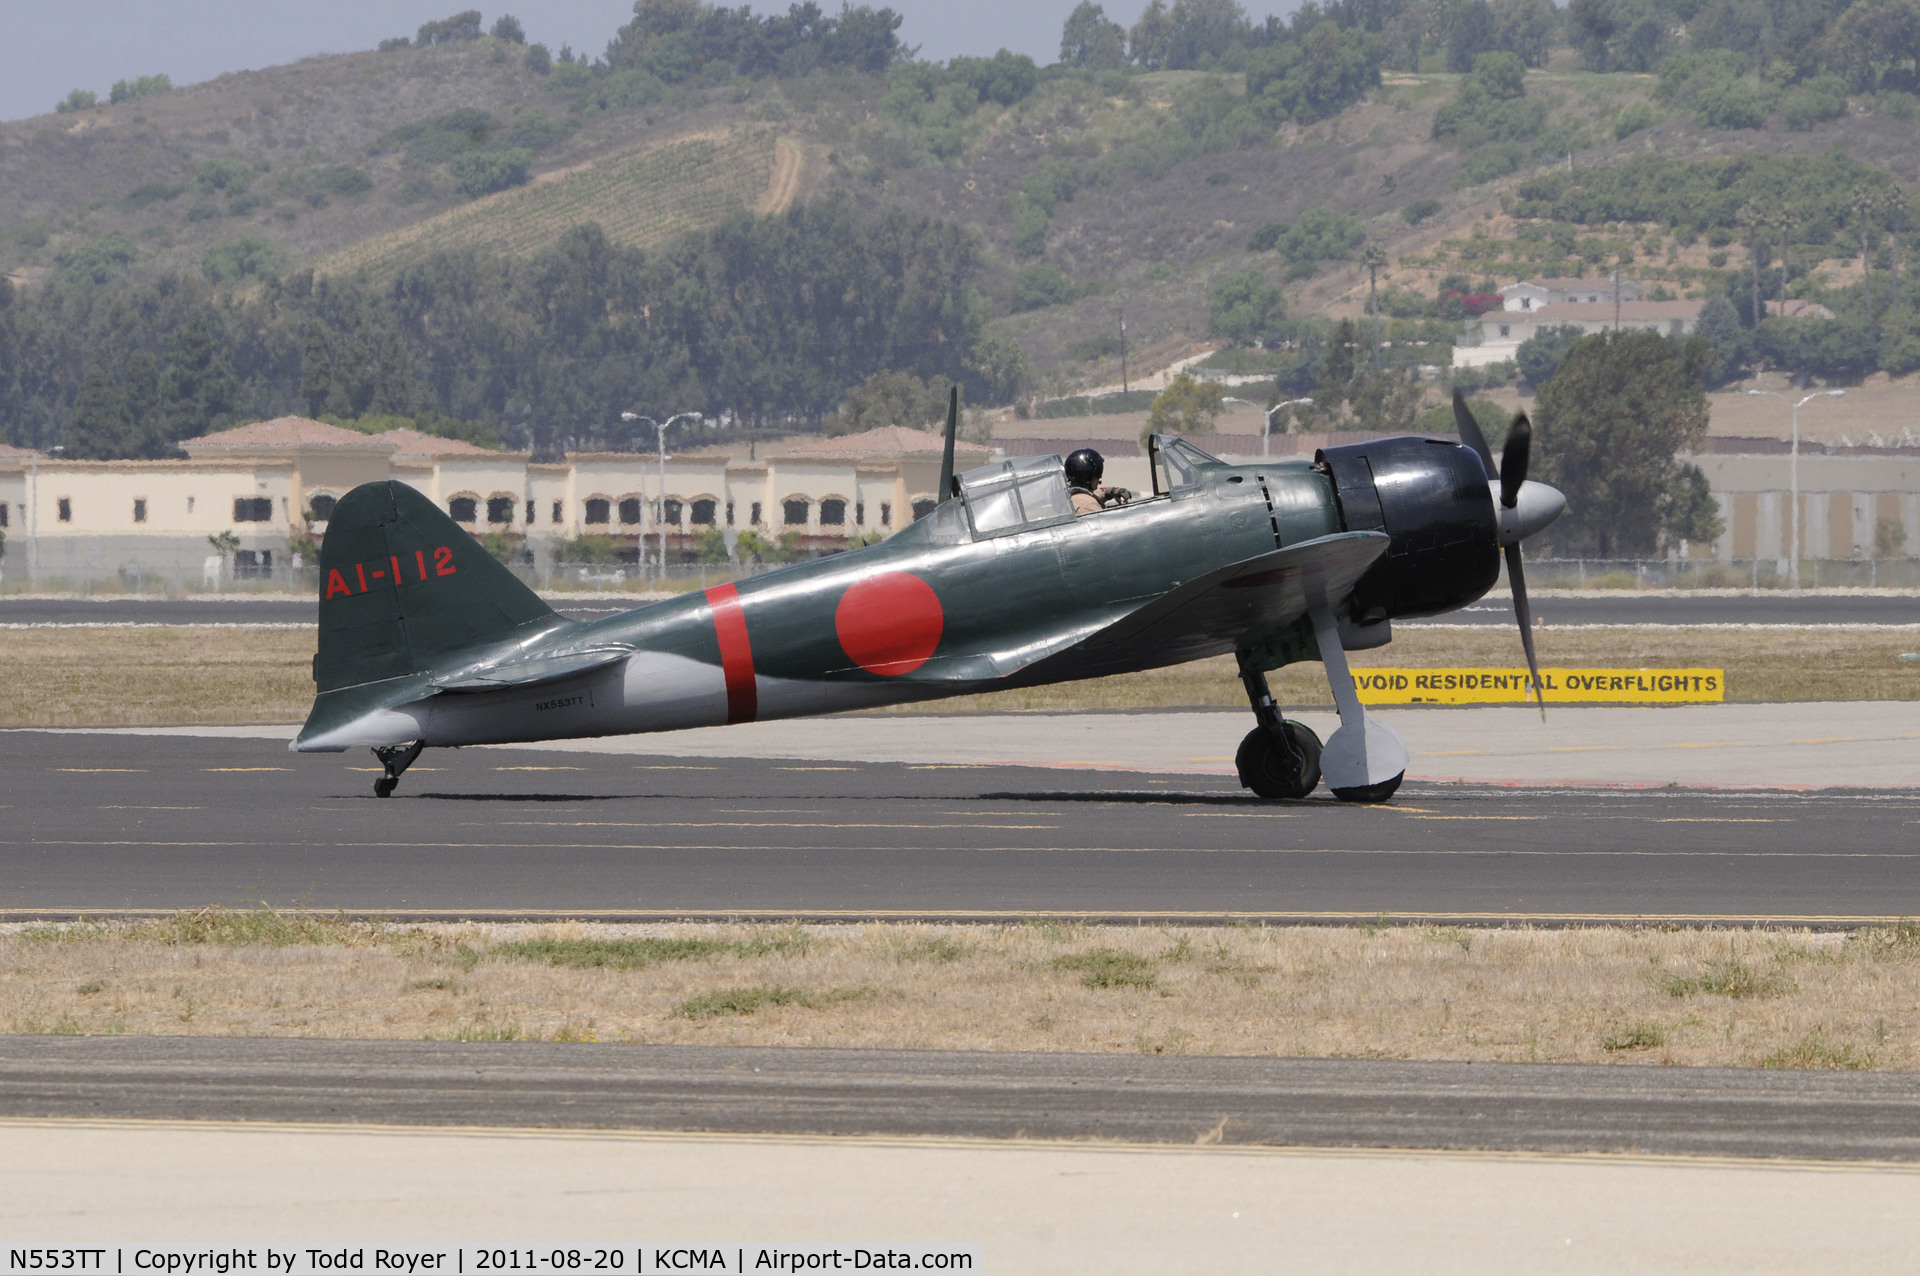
[(402, 588)]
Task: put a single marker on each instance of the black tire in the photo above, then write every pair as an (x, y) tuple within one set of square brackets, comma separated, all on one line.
[(384, 786), (1367, 793), (1267, 770)]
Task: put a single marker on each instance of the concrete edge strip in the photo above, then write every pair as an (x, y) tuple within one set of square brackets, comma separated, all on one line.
[(1103, 1146), (964, 917)]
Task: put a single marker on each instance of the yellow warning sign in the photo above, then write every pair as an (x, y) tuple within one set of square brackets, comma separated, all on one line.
[(1560, 686)]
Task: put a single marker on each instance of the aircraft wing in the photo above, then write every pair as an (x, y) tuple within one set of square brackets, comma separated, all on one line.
[(1220, 611)]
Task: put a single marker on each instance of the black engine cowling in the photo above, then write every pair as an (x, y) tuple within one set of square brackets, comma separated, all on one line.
[(1431, 497)]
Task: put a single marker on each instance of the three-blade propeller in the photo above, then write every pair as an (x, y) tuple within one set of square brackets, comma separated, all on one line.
[(1521, 508)]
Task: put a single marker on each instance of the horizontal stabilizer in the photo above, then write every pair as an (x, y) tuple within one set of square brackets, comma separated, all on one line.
[(531, 672)]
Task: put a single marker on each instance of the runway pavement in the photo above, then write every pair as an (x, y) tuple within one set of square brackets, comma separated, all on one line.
[(104, 822), (1616, 607), (1130, 1098)]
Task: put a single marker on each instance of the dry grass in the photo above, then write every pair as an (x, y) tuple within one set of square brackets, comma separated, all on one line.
[(1812, 662), (73, 676), (1759, 998), (70, 676)]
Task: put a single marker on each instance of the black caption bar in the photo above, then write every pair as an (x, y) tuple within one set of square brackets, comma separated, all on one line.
[(484, 1260)]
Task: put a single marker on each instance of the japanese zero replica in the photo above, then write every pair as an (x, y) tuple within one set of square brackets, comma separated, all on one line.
[(427, 640)]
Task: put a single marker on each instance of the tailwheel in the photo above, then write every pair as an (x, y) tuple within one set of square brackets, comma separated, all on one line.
[(1274, 771), (1371, 792), (395, 759)]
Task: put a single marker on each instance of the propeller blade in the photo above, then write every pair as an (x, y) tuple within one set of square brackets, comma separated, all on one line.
[(1517, 580), (1513, 459), (1469, 428)]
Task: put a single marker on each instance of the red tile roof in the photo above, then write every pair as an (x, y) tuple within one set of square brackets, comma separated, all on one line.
[(10, 451), (416, 443), (281, 433)]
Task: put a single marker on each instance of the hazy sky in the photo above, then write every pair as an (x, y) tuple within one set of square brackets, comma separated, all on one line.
[(55, 47)]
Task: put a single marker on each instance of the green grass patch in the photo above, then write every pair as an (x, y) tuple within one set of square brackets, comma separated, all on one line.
[(1108, 968), (1640, 1035), (608, 954), (939, 949), (258, 927), (1816, 1052), (1730, 978), (746, 1001)]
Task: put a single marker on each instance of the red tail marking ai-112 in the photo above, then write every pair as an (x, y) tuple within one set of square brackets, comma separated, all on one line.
[(338, 584)]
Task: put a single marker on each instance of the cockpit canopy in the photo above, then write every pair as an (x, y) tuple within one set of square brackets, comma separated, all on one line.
[(1011, 495)]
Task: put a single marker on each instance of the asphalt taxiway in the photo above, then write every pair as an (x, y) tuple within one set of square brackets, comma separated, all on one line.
[(1167, 1099), (107, 822)]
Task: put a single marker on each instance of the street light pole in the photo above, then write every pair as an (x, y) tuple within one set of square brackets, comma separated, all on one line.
[(660, 436), (1793, 472), (1266, 425)]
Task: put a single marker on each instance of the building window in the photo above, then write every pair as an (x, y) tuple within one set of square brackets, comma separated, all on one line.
[(630, 511), (247, 509), (139, 509), (1504, 330), (673, 513), (833, 512), (499, 509), (860, 514), (755, 520), (252, 564), (598, 508), (464, 509), (795, 513), (922, 508), (530, 512), (3, 513), (886, 514), (556, 512), (323, 507), (729, 513), (703, 513)]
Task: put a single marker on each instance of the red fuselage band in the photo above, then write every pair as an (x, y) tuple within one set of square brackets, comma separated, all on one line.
[(736, 653)]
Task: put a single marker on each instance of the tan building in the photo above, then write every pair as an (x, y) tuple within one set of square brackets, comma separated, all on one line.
[(273, 484), (1850, 499)]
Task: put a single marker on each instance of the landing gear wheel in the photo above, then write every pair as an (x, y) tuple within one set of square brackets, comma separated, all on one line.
[(395, 759), (1371, 792), (1272, 772)]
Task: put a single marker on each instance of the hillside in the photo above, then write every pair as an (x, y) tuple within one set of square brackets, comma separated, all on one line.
[(1115, 182)]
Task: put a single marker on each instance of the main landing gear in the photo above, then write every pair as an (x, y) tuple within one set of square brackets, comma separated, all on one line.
[(1364, 761), (1279, 758), (396, 758)]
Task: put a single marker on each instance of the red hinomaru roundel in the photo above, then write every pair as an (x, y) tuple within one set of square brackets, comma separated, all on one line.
[(889, 623)]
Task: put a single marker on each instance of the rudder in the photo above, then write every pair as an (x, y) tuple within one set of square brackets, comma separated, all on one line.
[(403, 587)]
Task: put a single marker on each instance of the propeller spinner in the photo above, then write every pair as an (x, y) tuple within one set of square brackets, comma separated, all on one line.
[(1521, 508)]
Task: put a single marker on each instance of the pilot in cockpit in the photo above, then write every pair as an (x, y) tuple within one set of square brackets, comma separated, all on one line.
[(1084, 469)]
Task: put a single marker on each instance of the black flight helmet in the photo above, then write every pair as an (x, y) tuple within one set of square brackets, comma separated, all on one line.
[(1084, 468)]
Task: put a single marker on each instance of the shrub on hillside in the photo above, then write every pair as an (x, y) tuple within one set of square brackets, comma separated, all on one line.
[(1041, 285), (489, 171)]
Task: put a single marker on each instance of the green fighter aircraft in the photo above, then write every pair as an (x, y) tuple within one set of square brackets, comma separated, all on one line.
[(427, 641)]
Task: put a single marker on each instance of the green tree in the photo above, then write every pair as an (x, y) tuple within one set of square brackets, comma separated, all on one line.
[(1090, 40), (1186, 406), (1607, 428), (199, 390), (1336, 370), (1041, 285), (892, 398), (1244, 307), (1149, 42), (1526, 28), (238, 260), (1688, 510), (1719, 324), (1539, 356), (507, 27)]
